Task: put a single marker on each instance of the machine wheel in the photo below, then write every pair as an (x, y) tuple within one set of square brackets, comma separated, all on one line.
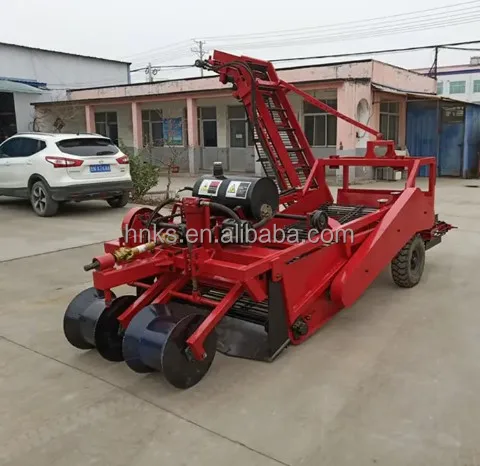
[(81, 317), (119, 201), (42, 203), (154, 340), (108, 331), (407, 266)]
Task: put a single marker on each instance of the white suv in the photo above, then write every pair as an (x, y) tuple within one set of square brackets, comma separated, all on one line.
[(50, 169)]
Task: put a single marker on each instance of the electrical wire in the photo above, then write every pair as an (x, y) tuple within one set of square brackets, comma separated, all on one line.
[(467, 49), (401, 23), (422, 24), (375, 52), (348, 24), (451, 46), (166, 48), (162, 67), (350, 29)]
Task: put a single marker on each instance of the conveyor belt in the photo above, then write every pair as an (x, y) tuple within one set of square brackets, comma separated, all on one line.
[(343, 214)]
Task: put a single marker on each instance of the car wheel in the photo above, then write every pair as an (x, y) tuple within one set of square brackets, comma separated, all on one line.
[(119, 201), (42, 203)]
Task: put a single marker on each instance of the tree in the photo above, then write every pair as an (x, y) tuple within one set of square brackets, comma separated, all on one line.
[(176, 152), (171, 148)]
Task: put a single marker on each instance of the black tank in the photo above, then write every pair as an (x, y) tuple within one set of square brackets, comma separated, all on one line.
[(259, 197)]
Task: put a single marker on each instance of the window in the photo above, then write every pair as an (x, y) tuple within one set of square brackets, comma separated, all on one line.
[(207, 126), (152, 125), (389, 120), (21, 147), (240, 132), (452, 113), (85, 147), (106, 124), (440, 87), (320, 127), (457, 87), (476, 85)]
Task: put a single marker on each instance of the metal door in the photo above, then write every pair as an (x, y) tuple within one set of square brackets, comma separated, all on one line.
[(422, 131), (452, 134)]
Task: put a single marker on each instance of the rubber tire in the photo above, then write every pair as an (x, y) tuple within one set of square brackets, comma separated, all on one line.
[(51, 207), (403, 273), (119, 201)]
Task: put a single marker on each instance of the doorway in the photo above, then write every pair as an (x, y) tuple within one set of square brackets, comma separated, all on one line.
[(8, 120)]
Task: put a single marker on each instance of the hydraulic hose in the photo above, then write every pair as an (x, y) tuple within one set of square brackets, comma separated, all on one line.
[(261, 223), (186, 188), (224, 209), (158, 209)]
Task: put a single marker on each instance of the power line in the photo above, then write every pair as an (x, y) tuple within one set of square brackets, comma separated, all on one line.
[(162, 67), (467, 49), (348, 24), (449, 46), (166, 48), (377, 52), (398, 23), (425, 23), (420, 24)]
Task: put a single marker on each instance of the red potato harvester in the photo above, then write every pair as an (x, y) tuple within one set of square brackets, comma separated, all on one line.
[(196, 293)]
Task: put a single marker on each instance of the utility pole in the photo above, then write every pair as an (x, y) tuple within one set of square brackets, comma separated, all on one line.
[(433, 69), (148, 71), (151, 71), (199, 51)]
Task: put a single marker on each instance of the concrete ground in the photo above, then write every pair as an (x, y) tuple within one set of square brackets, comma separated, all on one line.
[(394, 380)]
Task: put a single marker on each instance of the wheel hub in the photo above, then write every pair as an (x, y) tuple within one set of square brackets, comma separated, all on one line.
[(414, 260), (39, 198)]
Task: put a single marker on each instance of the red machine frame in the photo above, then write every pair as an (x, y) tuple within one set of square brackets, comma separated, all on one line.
[(309, 281)]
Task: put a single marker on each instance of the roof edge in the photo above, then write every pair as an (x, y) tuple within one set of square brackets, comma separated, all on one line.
[(38, 49)]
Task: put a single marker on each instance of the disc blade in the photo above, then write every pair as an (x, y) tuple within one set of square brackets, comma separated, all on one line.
[(108, 333), (80, 315), (178, 370), (133, 339)]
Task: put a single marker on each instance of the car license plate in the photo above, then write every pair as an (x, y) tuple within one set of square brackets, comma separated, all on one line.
[(99, 168)]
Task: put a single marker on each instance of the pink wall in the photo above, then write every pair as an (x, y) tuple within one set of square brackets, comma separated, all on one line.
[(401, 79), (348, 97), (353, 81), (90, 118), (322, 73)]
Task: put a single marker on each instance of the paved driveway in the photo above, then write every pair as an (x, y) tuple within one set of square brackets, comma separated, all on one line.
[(394, 380), (23, 234)]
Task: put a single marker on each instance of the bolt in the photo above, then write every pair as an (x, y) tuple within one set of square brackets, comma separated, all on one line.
[(204, 356)]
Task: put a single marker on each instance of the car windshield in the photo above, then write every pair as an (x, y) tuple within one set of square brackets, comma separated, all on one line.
[(85, 147)]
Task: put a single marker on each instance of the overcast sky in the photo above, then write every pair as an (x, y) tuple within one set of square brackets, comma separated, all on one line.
[(161, 31)]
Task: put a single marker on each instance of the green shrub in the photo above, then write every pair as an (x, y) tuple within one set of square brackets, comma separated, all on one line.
[(144, 174)]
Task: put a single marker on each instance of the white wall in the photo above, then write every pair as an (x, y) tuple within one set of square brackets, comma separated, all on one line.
[(58, 71), (24, 112), (469, 78)]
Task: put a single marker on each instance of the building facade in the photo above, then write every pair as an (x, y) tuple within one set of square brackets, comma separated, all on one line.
[(461, 82), (199, 120), (28, 75)]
